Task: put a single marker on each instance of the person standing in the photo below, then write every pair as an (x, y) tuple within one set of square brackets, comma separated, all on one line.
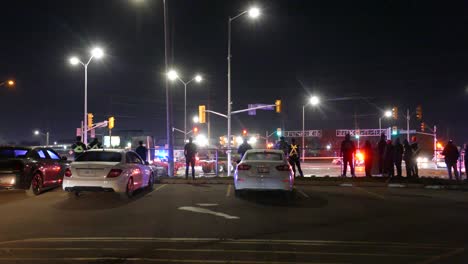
[(283, 145), (78, 147), (142, 151), (190, 152), (398, 150), (381, 152), (416, 149), (294, 159), (465, 155), (408, 157), (243, 148), (368, 158), (389, 157), (451, 156), (95, 144), (348, 150)]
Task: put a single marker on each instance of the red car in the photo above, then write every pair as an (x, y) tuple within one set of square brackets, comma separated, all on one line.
[(31, 169)]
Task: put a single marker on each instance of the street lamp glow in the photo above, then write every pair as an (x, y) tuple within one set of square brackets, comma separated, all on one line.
[(195, 119), (314, 100), (388, 113), (36, 132), (74, 60), (11, 82), (198, 78), (97, 53), (254, 12), (172, 75)]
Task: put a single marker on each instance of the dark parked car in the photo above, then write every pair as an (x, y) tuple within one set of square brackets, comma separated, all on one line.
[(31, 169)]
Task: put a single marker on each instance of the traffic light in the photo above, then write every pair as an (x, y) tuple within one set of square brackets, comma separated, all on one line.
[(195, 130), (201, 114), (90, 120), (419, 112), (244, 132), (278, 106), (423, 126), (278, 132), (395, 112), (111, 122), (394, 130)]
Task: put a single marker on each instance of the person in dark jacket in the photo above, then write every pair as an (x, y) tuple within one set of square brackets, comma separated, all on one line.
[(243, 148), (398, 150), (294, 159), (416, 149), (95, 144), (142, 150), (451, 156), (408, 157), (78, 147), (190, 152), (283, 145), (348, 150), (381, 152), (368, 158), (389, 157), (465, 154)]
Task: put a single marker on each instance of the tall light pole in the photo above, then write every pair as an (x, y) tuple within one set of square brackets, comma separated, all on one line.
[(387, 114), (95, 53), (314, 101), (172, 76), (253, 13), (46, 134)]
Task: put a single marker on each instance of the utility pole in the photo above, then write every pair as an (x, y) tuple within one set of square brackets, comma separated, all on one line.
[(170, 142), (407, 125)]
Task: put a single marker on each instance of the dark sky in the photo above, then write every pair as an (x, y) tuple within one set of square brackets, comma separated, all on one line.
[(401, 53)]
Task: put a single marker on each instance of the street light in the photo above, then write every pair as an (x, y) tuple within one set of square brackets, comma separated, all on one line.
[(46, 134), (195, 119), (314, 101), (97, 53), (172, 75), (9, 83), (254, 13), (387, 114)]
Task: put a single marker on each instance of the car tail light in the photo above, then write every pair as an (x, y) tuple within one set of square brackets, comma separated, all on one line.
[(68, 173), (243, 167), (283, 167), (114, 173)]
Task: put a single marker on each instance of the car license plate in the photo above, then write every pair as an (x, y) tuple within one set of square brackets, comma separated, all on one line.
[(86, 173), (263, 170)]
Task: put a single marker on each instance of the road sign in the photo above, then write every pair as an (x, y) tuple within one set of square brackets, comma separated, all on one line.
[(254, 112), (361, 132), (307, 133), (404, 131), (78, 132)]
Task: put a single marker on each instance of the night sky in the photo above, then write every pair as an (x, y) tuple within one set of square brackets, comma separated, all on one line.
[(393, 53)]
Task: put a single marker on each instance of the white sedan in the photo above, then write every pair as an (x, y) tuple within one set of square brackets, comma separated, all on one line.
[(264, 169), (108, 170)]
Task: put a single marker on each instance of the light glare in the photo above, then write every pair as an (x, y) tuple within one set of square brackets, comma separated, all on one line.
[(97, 53), (172, 75), (198, 78), (388, 113), (74, 60), (254, 12), (195, 119), (314, 100)]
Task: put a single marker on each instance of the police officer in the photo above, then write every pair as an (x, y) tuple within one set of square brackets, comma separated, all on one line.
[(142, 150), (243, 148), (78, 147), (294, 158), (348, 150), (416, 149), (190, 152), (283, 145), (408, 157), (95, 144), (398, 150), (465, 154), (451, 157), (389, 158)]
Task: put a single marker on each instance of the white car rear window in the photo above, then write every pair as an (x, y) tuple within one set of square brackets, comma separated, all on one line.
[(263, 156)]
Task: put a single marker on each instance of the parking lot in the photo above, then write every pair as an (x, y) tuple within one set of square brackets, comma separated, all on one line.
[(198, 223)]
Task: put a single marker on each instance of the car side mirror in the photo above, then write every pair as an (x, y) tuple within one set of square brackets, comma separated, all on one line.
[(64, 158)]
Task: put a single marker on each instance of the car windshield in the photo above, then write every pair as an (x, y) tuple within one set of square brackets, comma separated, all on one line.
[(9, 153), (265, 156), (106, 156)]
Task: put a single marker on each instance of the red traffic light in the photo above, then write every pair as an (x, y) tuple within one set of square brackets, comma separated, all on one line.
[(244, 132), (195, 130)]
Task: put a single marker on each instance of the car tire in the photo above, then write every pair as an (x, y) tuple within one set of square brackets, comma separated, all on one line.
[(35, 188), (129, 189), (151, 182)]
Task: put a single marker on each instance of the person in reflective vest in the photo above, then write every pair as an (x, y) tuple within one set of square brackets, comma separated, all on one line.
[(294, 158), (78, 147), (95, 144)]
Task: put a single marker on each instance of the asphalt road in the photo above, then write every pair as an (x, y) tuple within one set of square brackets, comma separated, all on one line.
[(208, 224)]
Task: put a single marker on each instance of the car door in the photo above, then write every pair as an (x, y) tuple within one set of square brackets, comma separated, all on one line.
[(137, 169), (46, 166), (58, 168)]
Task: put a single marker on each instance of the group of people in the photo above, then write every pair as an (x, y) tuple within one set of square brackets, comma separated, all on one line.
[(79, 147)]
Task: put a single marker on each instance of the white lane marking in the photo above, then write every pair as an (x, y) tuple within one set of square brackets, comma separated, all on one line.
[(228, 191), (437, 258), (346, 185), (207, 211), (303, 193), (396, 185), (207, 204), (370, 193), (160, 187)]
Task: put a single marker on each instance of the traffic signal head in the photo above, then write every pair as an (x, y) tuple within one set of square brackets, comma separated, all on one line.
[(195, 130), (90, 120), (244, 132), (423, 126), (419, 112), (278, 106), (394, 130), (201, 114), (395, 112), (111, 122), (278, 132)]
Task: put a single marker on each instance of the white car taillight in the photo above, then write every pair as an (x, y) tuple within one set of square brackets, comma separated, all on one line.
[(114, 173)]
